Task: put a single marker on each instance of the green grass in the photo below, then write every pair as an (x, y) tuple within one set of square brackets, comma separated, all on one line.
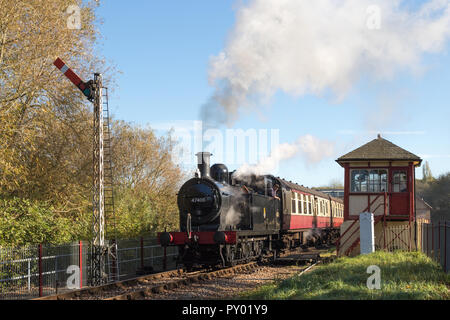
[(404, 275)]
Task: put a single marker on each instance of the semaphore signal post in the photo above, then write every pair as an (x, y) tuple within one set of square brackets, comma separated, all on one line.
[(102, 255)]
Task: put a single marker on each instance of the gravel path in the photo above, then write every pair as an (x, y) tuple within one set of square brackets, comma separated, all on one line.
[(227, 287)]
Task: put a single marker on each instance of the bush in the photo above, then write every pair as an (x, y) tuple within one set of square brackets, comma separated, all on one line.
[(25, 221)]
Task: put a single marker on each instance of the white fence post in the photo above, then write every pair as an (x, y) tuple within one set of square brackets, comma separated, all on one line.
[(366, 233)]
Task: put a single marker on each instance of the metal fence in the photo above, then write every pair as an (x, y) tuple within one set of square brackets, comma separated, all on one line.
[(434, 241), (144, 256), (35, 271)]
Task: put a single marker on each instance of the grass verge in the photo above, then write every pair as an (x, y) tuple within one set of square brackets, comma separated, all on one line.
[(404, 276)]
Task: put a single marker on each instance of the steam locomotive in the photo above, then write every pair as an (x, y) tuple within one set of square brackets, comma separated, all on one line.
[(227, 219)]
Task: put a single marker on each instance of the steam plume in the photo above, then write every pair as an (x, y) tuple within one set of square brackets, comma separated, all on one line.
[(319, 47), (311, 148)]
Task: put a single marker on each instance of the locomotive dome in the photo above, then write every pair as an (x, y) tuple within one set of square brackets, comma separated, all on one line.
[(219, 172)]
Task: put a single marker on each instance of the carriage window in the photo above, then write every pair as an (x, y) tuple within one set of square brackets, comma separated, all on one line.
[(305, 203), (300, 204), (399, 181), (294, 202), (307, 208)]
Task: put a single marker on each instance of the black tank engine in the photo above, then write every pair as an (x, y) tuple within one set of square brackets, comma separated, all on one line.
[(226, 219)]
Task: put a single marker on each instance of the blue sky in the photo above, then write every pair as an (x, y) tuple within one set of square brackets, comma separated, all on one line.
[(163, 49)]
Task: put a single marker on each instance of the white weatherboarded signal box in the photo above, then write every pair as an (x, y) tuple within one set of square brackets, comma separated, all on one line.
[(366, 233)]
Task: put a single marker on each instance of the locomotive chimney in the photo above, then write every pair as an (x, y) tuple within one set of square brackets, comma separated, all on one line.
[(203, 163)]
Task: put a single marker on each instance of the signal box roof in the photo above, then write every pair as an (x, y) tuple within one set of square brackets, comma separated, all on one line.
[(379, 149)]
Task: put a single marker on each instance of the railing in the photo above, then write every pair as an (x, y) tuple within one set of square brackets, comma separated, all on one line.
[(32, 271), (434, 241), (373, 201), (338, 241)]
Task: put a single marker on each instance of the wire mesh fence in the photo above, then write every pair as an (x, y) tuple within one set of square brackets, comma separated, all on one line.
[(138, 256), (33, 271), (30, 271)]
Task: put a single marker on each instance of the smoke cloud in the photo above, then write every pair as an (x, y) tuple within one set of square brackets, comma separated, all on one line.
[(311, 148), (320, 47)]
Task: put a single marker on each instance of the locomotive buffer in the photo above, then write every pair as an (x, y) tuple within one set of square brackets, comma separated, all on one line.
[(102, 255)]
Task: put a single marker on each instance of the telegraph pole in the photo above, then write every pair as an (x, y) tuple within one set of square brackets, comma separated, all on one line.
[(103, 200)]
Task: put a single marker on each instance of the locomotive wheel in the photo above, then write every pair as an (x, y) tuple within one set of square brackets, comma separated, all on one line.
[(230, 256), (258, 249), (245, 250)]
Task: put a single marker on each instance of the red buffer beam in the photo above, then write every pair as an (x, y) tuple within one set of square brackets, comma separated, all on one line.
[(86, 88)]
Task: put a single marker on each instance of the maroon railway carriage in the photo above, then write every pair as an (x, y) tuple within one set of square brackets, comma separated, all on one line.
[(306, 210)]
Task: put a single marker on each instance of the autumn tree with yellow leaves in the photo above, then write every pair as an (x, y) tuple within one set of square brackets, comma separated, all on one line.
[(46, 134)]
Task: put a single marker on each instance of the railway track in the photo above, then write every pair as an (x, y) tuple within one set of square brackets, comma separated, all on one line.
[(203, 276), (144, 287), (111, 289)]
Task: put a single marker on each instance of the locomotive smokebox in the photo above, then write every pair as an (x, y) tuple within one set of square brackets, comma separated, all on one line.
[(203, 163)]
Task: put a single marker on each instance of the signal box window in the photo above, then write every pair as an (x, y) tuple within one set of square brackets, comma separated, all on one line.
[(359, 180), (399, 181), (369, 180), (378, 181)]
